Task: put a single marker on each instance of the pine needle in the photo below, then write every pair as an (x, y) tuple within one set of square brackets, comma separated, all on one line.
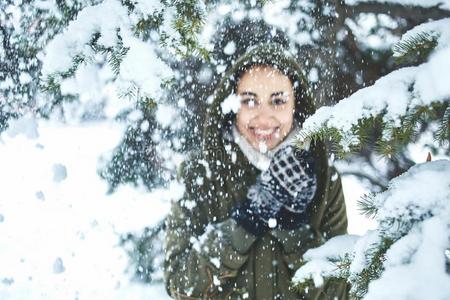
[(415, 48), (367, 206), (443, 132)]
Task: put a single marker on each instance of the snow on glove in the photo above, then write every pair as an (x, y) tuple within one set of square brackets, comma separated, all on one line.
[(290, 180)]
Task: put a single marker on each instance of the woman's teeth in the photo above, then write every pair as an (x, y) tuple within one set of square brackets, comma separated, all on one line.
[(266, 133)]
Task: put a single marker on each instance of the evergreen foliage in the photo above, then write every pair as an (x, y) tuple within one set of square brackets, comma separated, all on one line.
[(145, 251), (373, 269), (416, 48), (366, 205), (23, 34), (393, 137)]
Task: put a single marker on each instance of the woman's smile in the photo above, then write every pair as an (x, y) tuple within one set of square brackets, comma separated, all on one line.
[(265, 134)]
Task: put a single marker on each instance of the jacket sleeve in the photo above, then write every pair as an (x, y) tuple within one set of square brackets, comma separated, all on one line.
[(201, 259)]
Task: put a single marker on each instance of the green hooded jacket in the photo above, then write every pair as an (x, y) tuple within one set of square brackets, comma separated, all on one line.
[(208, 255)]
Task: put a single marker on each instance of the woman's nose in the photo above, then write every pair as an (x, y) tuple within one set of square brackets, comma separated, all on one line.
[(265, 115)]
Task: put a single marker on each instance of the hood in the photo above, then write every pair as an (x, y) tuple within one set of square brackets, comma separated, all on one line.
[(218, 125), (229, 169)]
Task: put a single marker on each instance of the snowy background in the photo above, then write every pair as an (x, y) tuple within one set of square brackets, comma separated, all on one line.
[(60, 230)]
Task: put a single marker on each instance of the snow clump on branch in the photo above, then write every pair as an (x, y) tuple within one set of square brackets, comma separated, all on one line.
[(141, 67)]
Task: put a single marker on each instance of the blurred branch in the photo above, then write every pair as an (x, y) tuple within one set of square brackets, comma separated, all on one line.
[(418, 14), (373, 181)]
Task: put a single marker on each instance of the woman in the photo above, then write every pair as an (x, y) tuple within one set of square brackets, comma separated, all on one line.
[(253, 202)]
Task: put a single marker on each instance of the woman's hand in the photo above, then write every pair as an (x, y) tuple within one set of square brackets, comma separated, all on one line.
[(281, 194), (290, 179)]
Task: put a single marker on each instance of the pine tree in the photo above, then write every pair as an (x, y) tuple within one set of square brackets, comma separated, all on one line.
[(410, 224)]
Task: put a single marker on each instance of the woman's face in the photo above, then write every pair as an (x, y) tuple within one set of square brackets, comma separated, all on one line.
[(266, 113)]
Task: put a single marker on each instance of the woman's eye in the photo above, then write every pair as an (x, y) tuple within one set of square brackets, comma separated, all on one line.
[(278, 101), (249, 102)]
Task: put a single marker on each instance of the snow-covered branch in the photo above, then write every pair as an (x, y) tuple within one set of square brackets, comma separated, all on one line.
[(407, 256), (393, 96), (140, 66)]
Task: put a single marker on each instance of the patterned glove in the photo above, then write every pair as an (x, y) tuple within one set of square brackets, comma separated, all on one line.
[(282, 193), (290, 179)]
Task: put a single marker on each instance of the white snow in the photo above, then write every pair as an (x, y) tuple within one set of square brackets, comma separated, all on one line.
[(200, 243), (59, 172), (425, 276), (359, 261), (57, 238), (141, 67), (26, 126), (145, 7), (59, 231), (272, 223), (420, 3), (73, 41), (337, 247), (232, 103), (230, 48), (316, 270), (372, 31), (262, 147), (166, 115), (90, 83), (25, 78), (320, 260), (277, 14), (408, 197), (431, 82)]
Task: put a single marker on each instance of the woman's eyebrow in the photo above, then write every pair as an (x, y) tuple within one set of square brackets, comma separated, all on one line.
[(280, 93), (248, 94)]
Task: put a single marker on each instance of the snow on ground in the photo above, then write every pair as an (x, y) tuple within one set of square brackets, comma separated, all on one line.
[(59, 230)]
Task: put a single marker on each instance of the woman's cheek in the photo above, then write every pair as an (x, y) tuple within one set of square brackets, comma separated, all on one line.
[(244, 116)]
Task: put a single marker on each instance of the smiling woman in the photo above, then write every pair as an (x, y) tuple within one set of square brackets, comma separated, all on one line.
[(267, 107), (248, 216)]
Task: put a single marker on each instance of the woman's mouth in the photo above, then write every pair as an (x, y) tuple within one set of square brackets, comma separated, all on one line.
[(266, 133)]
